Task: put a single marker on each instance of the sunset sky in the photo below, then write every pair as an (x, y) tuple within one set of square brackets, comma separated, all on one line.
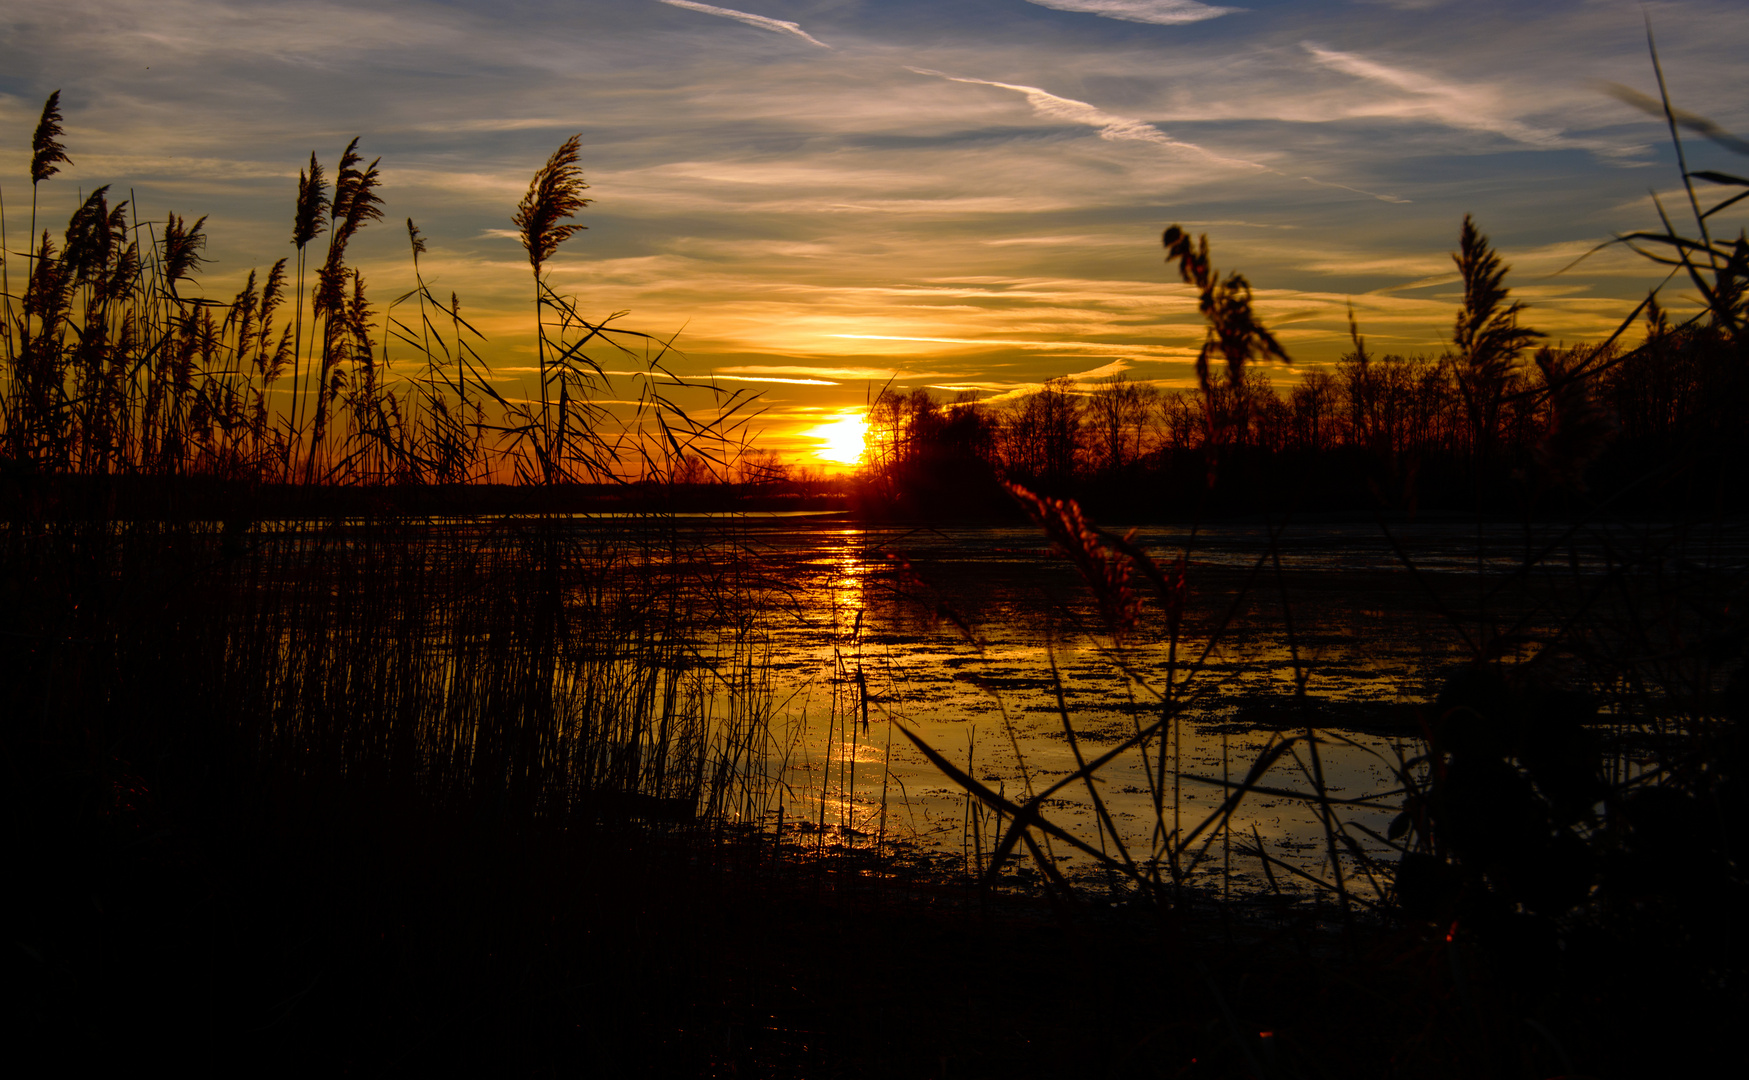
[(819, 196)]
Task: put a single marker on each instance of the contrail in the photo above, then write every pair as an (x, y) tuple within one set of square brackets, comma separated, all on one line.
[(1345, 187), (776, 26), (1110, 126), (1452, 104), (1159, 12), (1124, 128)]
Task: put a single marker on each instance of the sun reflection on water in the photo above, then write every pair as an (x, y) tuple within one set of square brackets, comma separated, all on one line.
[(861, 657)]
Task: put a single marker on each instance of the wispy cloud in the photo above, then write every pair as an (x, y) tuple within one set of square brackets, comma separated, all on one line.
[(1078, 239), (1654, 107), (773, 379), (764, 202), (1104, 371), (1423, 283), (1015, 343), (818, 372), (1160, 12), (1128, 129), (1244, 224), (454, 126), (776, 26), (1001, 393), (1474, 108), (1380, 196), (1109, 125)]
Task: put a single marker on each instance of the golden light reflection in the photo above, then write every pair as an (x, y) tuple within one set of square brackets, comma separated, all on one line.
[(851, 572), (842, 440)]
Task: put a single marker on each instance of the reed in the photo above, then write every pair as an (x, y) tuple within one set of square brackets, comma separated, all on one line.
[(177, 626), (1587, 738), (555, 193), (291, 680), (117, 368)]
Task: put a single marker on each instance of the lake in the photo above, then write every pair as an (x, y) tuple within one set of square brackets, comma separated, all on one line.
[(776, 670), (965, 636)]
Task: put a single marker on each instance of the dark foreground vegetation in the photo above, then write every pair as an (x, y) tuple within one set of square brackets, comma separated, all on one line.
[(352, 790), (1503, 423)]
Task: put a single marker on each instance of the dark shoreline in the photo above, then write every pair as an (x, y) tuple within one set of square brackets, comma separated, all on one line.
[(354, 941), (336, 922), (119, 499)]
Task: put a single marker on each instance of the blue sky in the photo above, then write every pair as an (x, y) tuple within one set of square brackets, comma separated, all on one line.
[(955, 194)]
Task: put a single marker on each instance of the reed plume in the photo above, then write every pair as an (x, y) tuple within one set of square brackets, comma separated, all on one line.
[(1234, 333), (307, 224), (114, 364), (89, 235), (45, 152), (45, 149), (182, 246), (272, 296), (46, 297), (1105, 567), (355, 203), (355, 199), (555, 193), (1487, 335)]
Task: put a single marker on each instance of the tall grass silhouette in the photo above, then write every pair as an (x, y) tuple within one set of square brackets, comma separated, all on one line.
[(116, 367), (534, 666), (1574, 791), (1576, 782)]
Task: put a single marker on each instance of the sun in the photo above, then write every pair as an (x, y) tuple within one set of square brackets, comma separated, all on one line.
[(841, 441)]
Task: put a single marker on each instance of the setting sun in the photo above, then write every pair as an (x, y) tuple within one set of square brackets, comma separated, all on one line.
[(764, 400), (841, 441)]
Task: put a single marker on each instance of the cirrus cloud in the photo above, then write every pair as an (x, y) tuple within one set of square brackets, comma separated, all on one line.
[(776, 26), (1111, 127), (1159, 12)]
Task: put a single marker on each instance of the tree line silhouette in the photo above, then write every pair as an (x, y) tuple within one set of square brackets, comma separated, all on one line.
[(114, 367), (1501, 419)]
